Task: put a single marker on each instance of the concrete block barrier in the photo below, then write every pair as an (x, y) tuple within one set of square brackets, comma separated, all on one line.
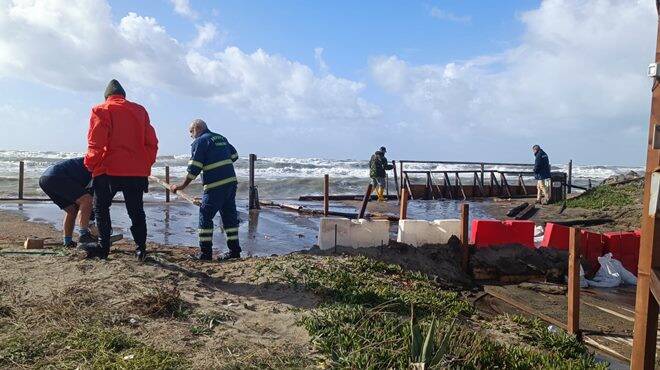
[(421, 232), (353, 233)]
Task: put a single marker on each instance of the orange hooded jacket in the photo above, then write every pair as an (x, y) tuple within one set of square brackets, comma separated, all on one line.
[(120, 140)]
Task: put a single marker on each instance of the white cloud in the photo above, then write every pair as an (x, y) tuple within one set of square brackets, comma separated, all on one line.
[(449, 16), (74, 44), (270, 83), (182, 7), (318, 56), (205, 34), (580, 65)]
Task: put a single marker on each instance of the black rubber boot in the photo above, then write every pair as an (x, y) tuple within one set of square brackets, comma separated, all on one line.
[(87, 239), (141, 253), (228, 256), (96, 251), (206, 254)]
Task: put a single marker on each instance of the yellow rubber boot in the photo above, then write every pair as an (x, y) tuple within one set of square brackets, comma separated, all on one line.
[(379, 192)]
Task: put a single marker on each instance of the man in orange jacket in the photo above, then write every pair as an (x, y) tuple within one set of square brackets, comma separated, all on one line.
[(121, 148)]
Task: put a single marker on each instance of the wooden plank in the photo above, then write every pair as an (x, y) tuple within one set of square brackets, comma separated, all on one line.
[(326, 194), (365, 200), (167, 180), (403, 211), (460, 186), (21, 178), (523, 307), (430, 181), (570, 176), (655, 284), (448, 185), (465, 247), (513, 212), (573, 324), (494, 182), (522, 184), (605, 349), (527, 212), (407, 180), (478, 183), (253, 197), (505, 184), (178, 193), (429, 187), (396, 181)]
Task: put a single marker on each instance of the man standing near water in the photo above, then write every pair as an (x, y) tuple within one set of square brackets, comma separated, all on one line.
[(66, 184), (541, 173), (378, 166), (121, 148), (214, 157)]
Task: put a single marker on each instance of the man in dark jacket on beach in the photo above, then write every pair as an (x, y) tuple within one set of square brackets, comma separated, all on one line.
[(67, 184), (213, 156), (541, 173), (121, 148), (378, 167)]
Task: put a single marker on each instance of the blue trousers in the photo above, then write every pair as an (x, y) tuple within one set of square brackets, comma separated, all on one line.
[(219, 200)]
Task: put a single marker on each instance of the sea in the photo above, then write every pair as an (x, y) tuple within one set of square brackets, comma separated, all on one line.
[(276, 177), (279, 179)]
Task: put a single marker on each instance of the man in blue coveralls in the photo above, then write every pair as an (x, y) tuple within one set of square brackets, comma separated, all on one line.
[(214, 157)]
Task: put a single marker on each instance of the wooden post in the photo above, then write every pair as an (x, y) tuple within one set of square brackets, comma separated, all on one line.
[(589, 184), (367, 197), (396, 181), (167, 180), (646, 304), (403, 211), (465, 243), (252, 190), (570, 175), (326, 194), (482, 175), (573, 324), (21, 178)]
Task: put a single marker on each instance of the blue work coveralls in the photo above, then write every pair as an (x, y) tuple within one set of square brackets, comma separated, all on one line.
[(213, 156)]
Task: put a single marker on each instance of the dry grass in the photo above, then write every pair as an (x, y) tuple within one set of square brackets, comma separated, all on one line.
[(163, 302)]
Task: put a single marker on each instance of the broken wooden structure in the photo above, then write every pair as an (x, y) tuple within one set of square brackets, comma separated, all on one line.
[(476, 180)]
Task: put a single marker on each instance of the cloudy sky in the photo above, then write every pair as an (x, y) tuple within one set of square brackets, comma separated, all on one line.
[(442, 79)]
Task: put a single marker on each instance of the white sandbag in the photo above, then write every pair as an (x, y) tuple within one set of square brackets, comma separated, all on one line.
[(608, 275), (538, 236), (626, 276)]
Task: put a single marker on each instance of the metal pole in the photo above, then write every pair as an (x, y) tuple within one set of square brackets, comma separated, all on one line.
[(326, 194), (574, 282), (570, 175), (646, 303), (21, 178), (367, 197), (252, 202), (167, 180), (465, 248)]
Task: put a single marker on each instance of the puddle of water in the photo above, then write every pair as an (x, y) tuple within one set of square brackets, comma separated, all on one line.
[(269, 231)]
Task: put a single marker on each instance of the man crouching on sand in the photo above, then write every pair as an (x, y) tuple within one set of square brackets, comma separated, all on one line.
[(214, 157), (121, 148), (66, 184)]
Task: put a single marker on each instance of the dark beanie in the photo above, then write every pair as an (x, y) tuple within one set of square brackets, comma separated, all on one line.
[(114, 88)]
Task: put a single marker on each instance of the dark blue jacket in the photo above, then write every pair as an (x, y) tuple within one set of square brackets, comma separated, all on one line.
[(73, 169), (541, 165), (214, 157)]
